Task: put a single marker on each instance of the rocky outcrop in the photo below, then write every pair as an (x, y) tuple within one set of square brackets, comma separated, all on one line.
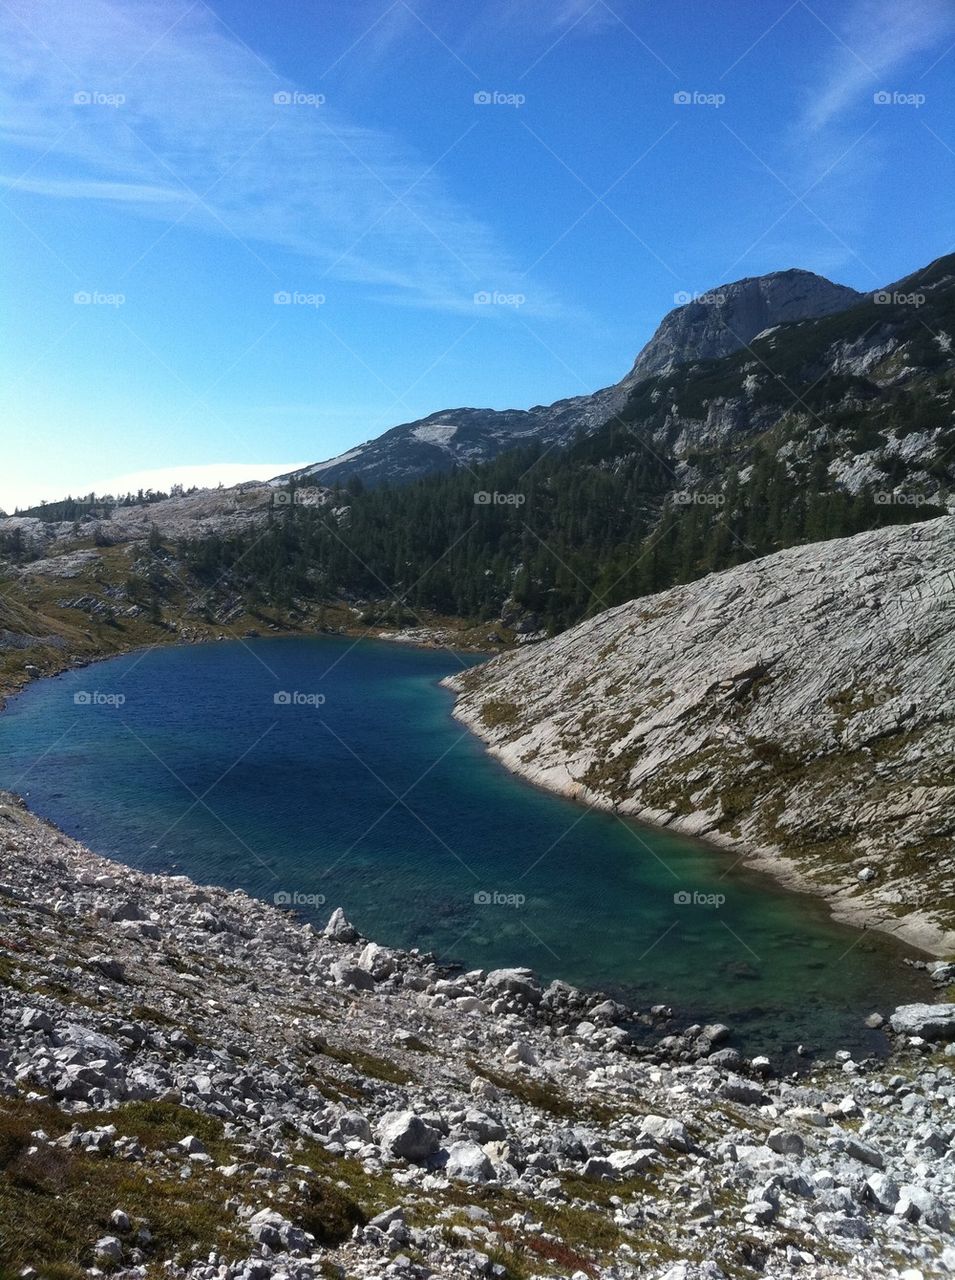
[(206, 512), (799, 708), (185, 1081), (728, 317)]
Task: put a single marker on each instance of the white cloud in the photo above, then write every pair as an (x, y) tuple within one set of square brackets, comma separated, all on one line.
[(873, 41), (182, 125)]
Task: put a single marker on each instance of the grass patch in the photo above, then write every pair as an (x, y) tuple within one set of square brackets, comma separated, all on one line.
[(499, 713), (55, 1203), (368, 1064)]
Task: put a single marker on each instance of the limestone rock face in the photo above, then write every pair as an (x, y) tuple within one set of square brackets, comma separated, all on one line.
[(725, 319), (800, 707)]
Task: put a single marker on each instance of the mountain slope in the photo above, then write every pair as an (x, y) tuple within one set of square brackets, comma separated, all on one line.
[(817, 429), (802, 706), (714, 325)]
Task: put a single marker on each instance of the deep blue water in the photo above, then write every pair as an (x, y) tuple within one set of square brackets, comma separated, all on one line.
[(377, 800)]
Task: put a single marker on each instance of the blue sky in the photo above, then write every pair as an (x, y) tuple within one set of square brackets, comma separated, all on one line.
[(180, 164)]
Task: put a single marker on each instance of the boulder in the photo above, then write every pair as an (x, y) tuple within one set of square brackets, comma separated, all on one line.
[(350, 975), (338, 928), (521, 1051), (513, 982), (406, 1135), (664, 1131), (377, 961), (916, 1204), (270, 1228), (108, 1249), (865, 1154), (882, 1192), (930, 1021), (468, 1163), (786, 1142), (628, 1162), (36, 1020)]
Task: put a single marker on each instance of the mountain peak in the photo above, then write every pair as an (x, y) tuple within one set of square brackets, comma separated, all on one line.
[(716, 323)]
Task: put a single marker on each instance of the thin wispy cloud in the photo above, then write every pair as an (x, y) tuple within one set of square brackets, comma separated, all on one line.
[(874, 41), (157, 108)]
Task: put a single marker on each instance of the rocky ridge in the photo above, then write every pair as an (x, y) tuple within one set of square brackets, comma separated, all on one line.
[(799, 708), (705, 327), (218, 511), (196, 1084)]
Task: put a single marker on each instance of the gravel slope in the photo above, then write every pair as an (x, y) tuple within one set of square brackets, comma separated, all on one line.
[(195, 1084)]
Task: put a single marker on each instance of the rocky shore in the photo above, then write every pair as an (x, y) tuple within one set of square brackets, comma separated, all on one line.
[(194, 1083), (798, 709)]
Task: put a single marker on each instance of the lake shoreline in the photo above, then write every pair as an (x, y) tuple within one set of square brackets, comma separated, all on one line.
[(914, 930), (419, 638)]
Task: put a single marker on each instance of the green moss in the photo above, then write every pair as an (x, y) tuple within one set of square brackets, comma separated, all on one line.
[(499, 713), (369, 1064)]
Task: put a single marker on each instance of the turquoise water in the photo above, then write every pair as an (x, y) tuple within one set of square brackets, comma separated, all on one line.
[(377, 800)]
